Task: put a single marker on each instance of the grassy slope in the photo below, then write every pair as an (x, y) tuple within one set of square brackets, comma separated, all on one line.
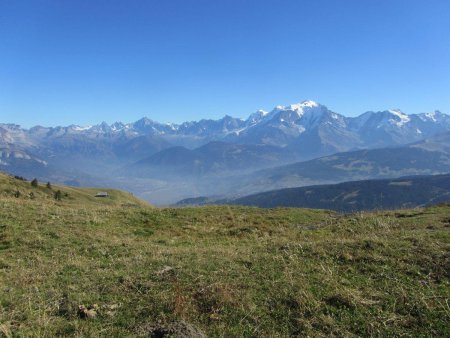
[(238, 271)]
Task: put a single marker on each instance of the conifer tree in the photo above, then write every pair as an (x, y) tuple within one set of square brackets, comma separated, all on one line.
[(57, 195)]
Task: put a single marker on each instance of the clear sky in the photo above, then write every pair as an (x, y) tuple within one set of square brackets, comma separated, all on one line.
[(87, 61)]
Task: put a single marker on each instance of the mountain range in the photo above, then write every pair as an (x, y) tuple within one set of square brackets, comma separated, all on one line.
[(228, 155)]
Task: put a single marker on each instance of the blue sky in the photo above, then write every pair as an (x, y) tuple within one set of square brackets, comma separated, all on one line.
[(87, 61)]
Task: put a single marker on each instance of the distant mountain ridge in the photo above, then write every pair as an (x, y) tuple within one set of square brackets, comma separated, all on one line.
[(405, 192), (426, 157)]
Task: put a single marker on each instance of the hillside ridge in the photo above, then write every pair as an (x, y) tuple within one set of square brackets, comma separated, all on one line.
[(22, 189)]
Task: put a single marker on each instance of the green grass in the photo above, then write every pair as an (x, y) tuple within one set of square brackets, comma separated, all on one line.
[(237, 271)]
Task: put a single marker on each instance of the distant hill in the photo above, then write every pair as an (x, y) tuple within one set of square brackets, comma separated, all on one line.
[(404, 192)]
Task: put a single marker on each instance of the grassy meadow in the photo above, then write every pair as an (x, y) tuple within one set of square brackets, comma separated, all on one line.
[(227, 271)]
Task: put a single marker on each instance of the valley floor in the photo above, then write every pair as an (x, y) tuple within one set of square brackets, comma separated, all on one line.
[(226, 271)]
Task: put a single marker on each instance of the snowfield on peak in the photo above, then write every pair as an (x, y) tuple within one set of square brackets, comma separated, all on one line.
[(402, 117), (80, 128)]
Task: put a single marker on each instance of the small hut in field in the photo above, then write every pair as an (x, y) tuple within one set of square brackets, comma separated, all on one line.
[(101, 194)]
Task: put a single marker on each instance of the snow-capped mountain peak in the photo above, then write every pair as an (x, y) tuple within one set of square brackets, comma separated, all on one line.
[(256, 117), (433, 116), (400, 118), (299, 107), (309, 104), (262, 112), (295, 111)]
